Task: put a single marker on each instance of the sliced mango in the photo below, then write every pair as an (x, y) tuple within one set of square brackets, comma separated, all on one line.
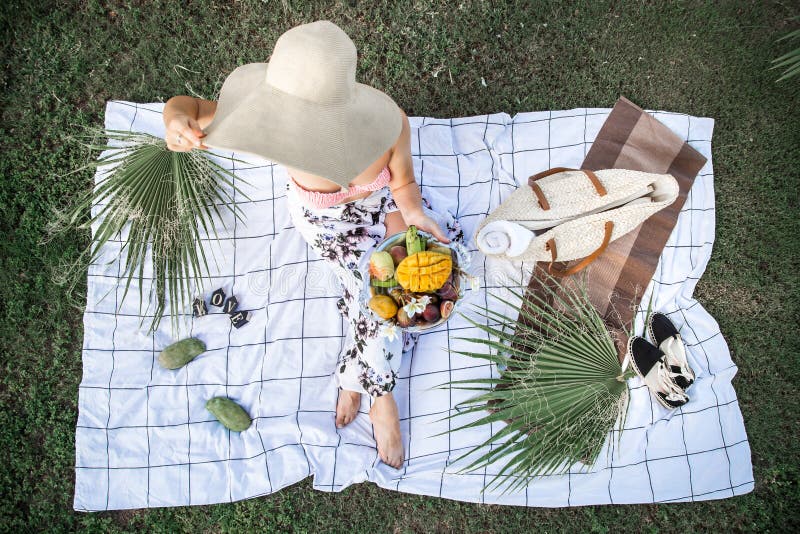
[(424, 271)]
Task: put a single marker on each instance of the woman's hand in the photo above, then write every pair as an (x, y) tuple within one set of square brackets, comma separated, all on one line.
[(428, 224), (189, 131)]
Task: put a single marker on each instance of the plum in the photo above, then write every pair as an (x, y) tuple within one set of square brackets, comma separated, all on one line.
[(431, 313), (398, 252), (447, 292)]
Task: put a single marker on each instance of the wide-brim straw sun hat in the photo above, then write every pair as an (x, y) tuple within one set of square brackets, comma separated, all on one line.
[(304, 108)]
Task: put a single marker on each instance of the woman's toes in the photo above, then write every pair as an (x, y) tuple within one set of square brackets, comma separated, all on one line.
[(392, 461), (347, 407), (395, 461), (343, 419)]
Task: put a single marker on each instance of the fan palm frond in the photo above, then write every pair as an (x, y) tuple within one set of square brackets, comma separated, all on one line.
[(560, 387), (789, 62), (163, 199)]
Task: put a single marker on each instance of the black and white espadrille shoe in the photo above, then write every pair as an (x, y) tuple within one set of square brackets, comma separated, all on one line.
[(667, 338), (650, 364)]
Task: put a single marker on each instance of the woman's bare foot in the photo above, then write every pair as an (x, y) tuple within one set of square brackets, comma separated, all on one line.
[(347, 407), (386, 423)]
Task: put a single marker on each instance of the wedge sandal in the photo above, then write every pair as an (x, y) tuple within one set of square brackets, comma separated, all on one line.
[(667, 338), (649, 363)]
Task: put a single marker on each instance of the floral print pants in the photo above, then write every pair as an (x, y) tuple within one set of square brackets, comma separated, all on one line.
[(344, 235)]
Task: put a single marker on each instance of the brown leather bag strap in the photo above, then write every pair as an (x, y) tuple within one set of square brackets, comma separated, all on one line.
[(554, 170), (545, 205), (540, 194), (551, 246)]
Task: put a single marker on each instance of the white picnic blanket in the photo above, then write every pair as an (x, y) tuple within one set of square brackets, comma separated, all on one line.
[(145, 439)]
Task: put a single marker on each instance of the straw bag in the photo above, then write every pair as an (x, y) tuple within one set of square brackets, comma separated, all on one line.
[(569, 214)]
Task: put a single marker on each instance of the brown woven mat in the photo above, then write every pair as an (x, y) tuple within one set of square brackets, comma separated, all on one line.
[(632, 139)]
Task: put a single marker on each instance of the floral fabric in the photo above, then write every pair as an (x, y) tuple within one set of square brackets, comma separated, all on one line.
[(344, 235)]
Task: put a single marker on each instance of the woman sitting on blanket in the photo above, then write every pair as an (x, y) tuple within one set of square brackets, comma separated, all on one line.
[(342, 143)]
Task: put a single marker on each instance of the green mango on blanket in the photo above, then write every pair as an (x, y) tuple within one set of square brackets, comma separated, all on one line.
[(231, 415), (181, 352)]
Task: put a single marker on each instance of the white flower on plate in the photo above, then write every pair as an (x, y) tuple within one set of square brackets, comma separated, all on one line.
[(416, 305), (390, 331)]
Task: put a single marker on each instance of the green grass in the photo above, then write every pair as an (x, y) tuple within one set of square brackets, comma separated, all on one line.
[(63, 61)]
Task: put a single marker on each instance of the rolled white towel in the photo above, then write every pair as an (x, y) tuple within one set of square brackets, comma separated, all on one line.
[(504, 237)]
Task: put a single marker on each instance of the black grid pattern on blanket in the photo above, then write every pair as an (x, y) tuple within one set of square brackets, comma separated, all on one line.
[(144, 438)]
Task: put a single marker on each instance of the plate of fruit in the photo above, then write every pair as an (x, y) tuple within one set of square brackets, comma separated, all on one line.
[(415, 281)]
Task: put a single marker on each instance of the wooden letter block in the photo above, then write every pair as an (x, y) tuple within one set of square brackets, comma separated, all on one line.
[(199, 308), (230, 305), (240, 318), (218, 298)]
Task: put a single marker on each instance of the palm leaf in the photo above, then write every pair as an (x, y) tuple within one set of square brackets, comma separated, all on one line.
[(790, 61), (159, 200), (560, 387)]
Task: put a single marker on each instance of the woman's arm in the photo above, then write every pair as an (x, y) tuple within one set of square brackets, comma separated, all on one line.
[(187, 116), (404, 186)]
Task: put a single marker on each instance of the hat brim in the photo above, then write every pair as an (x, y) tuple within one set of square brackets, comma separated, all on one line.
[(334, 141)]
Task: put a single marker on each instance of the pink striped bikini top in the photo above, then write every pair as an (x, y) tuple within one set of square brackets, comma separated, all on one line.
[(326, 200)]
